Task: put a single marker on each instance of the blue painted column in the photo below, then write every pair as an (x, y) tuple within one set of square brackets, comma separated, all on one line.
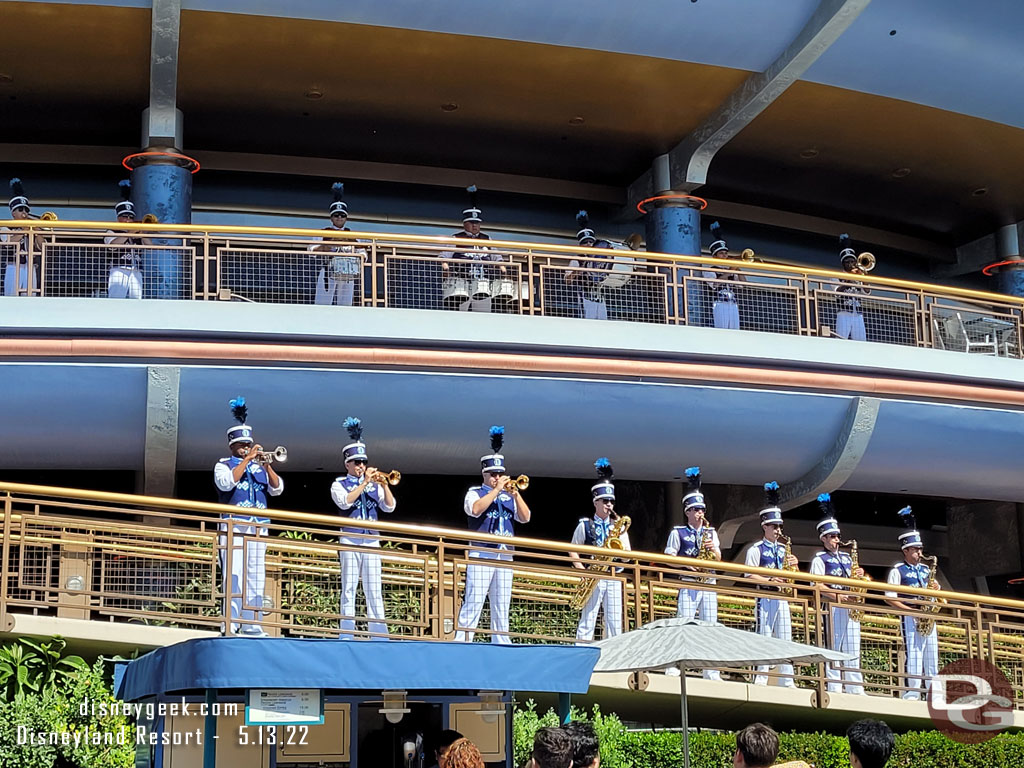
[(1011, 279), (163, 187), (673, 226)]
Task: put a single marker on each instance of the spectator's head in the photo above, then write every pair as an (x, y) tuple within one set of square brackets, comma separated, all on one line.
[(462, 753), (445, 739), (871, 743), (586, 749), (757, 746), (552, 748)]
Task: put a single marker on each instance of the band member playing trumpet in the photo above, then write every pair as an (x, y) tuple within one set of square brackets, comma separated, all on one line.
[(16, 252), (849, 319), (595, 532), (493, 508), (725, 311), (245, 480), (125, 278), (920, 634), (359, 497), (843, 627), (772, 613), (338, 276), (591, 273), (699, 540)]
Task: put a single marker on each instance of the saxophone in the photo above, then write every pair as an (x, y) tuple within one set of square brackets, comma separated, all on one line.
[(856, 593), (587, 583), (787, 542), (925, 624), (705, 552)]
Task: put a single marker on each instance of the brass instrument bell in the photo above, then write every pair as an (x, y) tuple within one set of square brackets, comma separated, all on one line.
[(866, 261), (747, 254), (45, 216), (394, 477), (279, 454), (520, 483), (150, 218)]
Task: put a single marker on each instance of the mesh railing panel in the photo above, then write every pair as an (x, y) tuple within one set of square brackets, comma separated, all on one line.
[(974, 330), (293, 276), (746, 306), (854, 315), (612, 290), (444, 283), (98, 270)]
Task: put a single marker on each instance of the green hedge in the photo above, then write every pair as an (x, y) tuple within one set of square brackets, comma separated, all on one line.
[(708, 749)]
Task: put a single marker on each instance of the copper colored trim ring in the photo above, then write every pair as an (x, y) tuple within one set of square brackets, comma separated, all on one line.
[(504, 361)]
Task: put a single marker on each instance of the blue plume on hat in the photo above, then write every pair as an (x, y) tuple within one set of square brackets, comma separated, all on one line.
[(825, 502), (238, 409), (716, 230), (471, 189), (17, 190), (693, 478), (338, 189), (844, 241), (604, 469), (354, 427), (771, 493), (582, 219), (497, 438), (125, 186), (907, 517)]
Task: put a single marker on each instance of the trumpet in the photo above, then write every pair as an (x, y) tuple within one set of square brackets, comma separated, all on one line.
[(150, 218), (279, 454), (394, 477), (44, 216), (520, 483), (866, 262)]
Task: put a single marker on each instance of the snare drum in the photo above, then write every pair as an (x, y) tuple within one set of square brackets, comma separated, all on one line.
[(345, 267), (454, 292), (481, 289), (504, 289), (621, 272)]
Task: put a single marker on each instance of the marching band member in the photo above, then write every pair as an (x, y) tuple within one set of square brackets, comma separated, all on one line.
[(588, 279), (337, 285), (245, 480), (491, 508), (471, 222), (725, 311), (922, 648), (689, 541), (772, 614), (844, 630), (16, 270), (360, 498), (124, 280), (594, 532), (849, 320)]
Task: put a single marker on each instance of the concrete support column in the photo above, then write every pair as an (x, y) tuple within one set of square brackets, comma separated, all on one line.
[(162, 186), (1010, 277), (673, 224)]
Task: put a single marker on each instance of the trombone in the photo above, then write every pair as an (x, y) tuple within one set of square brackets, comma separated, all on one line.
[(394, 477), (866, 262), (44, 216)]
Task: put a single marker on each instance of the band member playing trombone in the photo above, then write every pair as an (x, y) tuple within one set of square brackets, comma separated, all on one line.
[(843, 623), (598, 531), (591, 273), (725, 311), (16, 269), (125, 278), (849, 318), (493, 508), (360, 497), (920, 633), (772, 613), (245, 479), (699, 540)]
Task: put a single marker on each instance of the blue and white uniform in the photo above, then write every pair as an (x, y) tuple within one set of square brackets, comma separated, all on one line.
[(339, 275), (693, 603), (593, 532), (124, 281), (922, 650), (482, 579), (589, 282), (725, 311), (772, 614), (843, 631), (849, 319), (363, 564), (248, 562)]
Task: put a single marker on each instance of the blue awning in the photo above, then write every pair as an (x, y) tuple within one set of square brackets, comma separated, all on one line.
[(238, 662)]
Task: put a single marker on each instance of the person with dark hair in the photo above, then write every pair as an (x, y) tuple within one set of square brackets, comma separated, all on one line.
[(445, 739), (552, 748), (586, 749), (871, 743), (757, 746)]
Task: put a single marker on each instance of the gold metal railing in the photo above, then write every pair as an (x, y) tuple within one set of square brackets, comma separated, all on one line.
[(87, 556), (301, 266)]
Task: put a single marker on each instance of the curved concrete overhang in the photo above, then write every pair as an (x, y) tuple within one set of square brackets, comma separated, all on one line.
[(813, 413)]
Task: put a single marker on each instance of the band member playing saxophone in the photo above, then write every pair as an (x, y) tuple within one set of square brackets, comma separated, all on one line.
[(359, 497), (604, 529), (699, 540), (772, 613)]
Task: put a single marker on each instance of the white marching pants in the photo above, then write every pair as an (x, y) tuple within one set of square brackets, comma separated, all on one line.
[(365, 566), (486, 581), (124, 283), (726, 315), (331, 291), (773, 620), (844, 636), (607, 594), (476, 305), (16, 280), (700, 604), (850, 325), (922, 657), (248, 567), (594, 310)]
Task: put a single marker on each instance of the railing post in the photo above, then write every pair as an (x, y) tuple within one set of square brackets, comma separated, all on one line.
[(5, 565)]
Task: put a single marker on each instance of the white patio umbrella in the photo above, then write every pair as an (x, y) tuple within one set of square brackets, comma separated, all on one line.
[(692, 644)]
